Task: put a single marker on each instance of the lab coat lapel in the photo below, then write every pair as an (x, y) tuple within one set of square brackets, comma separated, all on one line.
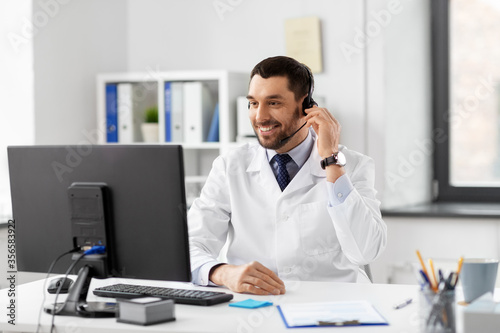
[(309, 173), (265, 177)]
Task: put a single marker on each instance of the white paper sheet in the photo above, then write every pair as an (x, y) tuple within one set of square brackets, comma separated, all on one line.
[(310, 314)]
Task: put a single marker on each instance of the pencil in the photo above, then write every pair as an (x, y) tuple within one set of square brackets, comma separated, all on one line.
[(460, 262), (433, 274), (424, 269)]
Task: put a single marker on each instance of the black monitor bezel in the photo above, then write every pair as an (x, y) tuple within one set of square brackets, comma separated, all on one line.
[(141, 178)]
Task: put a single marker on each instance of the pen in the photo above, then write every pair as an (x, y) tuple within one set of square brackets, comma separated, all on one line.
[(440, 274), (403, 303), (426, 278), (450, 281)]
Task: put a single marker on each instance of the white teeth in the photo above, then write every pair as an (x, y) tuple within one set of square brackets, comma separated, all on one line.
[(265, 129)]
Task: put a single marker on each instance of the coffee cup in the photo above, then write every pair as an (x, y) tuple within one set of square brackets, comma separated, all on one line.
[(478, 276)]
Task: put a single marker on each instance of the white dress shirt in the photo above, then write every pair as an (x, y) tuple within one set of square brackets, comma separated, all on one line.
[(313, 230)]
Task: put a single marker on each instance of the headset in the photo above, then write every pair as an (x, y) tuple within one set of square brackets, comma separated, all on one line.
[(309, 102)]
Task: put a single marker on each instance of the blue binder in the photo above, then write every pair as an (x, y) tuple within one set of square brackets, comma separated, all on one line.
[(111, 113), (213, 133), (168, 112)]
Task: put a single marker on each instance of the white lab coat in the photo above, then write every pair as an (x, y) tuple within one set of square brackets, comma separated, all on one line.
[(295, 233)]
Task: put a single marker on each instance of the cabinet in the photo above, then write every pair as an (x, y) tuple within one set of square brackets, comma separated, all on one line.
[(134, 92)]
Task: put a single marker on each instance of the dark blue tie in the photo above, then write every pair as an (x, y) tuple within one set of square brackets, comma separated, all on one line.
[(283, 177)]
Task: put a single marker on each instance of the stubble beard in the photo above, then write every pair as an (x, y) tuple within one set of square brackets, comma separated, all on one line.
[(279, 141)]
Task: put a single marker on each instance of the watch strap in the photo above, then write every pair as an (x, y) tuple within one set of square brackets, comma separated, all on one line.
[(330, 160)]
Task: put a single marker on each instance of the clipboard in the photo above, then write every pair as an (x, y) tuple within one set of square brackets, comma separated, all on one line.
[(334, 314)]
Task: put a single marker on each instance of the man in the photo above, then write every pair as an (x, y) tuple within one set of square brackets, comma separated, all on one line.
[(304, 216)]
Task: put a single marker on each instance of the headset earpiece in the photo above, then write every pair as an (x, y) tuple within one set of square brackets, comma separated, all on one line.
[(309, 101)]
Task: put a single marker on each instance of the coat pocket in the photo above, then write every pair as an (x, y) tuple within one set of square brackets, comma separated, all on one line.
[(317, 234)]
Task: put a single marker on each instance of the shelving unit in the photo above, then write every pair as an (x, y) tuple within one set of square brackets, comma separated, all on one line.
[(224, 86)]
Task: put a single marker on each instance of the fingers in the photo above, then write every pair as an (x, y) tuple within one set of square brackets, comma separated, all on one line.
[(253, 278), (317, 118), (326, 127), (266, 272), (252, 289), (318, 114), (266, 279)]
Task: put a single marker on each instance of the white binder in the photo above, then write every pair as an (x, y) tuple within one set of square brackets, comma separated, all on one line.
[(177, 111), (199, 106)]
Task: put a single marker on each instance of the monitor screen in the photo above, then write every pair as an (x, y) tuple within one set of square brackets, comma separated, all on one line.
[(147, 202)]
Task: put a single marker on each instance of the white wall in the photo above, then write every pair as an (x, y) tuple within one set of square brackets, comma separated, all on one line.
[(16, 89), (80, 39), (399, 100), (88, 37), (173, 35)]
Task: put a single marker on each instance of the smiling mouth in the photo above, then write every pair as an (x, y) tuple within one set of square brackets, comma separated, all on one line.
[(267, 128)]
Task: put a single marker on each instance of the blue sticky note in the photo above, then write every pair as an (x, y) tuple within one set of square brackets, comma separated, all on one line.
[(251, 304)]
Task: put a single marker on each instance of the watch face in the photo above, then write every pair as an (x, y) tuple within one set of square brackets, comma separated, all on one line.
[(338, 159), (341, 160)]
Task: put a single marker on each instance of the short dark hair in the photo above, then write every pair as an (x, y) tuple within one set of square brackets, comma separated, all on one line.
[(299, 75)]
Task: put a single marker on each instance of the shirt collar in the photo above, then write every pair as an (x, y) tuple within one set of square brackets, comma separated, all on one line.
[(299, 154)]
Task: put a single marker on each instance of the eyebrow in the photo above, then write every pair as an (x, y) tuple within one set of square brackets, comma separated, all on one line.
[(277, 96)]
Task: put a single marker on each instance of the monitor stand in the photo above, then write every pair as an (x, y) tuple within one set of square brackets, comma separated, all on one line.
[(76, 304)]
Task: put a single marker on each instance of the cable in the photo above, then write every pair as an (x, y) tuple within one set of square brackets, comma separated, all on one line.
[(51, 267), (73, 264), (97, 249)]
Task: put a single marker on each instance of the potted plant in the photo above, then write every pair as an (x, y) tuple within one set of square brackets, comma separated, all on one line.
[(150, 132)]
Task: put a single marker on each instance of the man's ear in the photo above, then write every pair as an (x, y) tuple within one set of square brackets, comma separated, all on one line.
[(305, 104)]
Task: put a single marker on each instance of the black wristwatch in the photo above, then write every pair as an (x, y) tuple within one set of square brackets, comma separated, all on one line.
[(337, 158)]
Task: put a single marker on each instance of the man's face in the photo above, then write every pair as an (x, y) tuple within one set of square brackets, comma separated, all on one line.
[(274, 113)]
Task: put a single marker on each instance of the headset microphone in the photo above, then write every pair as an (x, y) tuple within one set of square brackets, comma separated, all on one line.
[(282, 141)]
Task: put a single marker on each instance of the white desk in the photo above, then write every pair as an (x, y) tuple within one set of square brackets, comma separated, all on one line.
[(222, 318)]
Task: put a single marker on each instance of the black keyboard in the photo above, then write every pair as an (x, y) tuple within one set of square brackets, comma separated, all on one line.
[(181, 296)]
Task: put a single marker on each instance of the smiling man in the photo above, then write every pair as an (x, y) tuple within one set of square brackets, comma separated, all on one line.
[(297, 205)]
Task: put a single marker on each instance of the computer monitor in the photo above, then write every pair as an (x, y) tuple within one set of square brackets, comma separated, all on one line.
[(144, 203)]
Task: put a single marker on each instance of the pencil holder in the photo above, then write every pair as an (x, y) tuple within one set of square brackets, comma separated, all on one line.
[(437, 311)]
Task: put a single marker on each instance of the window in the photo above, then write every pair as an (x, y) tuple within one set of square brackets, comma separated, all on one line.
[(466, 99)]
